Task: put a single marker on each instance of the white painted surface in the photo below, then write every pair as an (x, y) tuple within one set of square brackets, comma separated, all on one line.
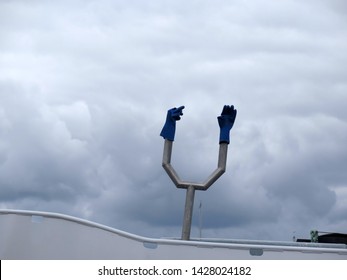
[(40, 235)]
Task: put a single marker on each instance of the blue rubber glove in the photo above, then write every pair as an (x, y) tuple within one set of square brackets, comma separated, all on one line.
[(169, 129), (226, 122)]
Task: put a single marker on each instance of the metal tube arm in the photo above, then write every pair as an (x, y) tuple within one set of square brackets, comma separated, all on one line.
[(222, 161), (222, 158), (167, 163)]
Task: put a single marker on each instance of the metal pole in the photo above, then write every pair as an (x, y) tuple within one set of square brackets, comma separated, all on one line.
[(191, 187), (188, 213), (226, 121)]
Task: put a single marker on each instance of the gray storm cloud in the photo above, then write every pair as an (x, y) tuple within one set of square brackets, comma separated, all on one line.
[(84, 91)]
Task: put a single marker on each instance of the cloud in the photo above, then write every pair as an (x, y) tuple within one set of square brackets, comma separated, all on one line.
[(84, 91)]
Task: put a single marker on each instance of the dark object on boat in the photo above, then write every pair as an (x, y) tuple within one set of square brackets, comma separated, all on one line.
[(337, 238)]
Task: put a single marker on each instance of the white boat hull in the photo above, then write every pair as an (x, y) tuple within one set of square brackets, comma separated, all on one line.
[(40, 235)]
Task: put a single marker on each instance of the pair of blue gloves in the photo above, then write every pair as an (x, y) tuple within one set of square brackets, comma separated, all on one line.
[(225, 120)]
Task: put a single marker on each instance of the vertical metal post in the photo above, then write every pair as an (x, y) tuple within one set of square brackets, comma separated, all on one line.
[(188, 213)]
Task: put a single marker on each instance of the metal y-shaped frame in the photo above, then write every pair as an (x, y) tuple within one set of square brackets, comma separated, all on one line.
[(190, 186)]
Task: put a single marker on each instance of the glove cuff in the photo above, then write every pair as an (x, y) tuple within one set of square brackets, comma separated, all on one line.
[(168, 131), (224, 135)]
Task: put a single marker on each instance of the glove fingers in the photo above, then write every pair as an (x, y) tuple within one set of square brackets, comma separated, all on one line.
[(228, 110), (177, 112)]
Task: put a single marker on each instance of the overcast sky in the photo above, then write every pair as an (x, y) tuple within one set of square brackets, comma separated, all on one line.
[(84, 91)]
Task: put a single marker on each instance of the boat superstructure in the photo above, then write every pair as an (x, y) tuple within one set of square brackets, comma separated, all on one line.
[(42, 235)]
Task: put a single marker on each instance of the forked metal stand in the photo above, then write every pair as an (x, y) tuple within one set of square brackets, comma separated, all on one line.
[(190, 186)]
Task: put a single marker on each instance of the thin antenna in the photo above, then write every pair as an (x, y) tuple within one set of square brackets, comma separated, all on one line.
[(200, 219)]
